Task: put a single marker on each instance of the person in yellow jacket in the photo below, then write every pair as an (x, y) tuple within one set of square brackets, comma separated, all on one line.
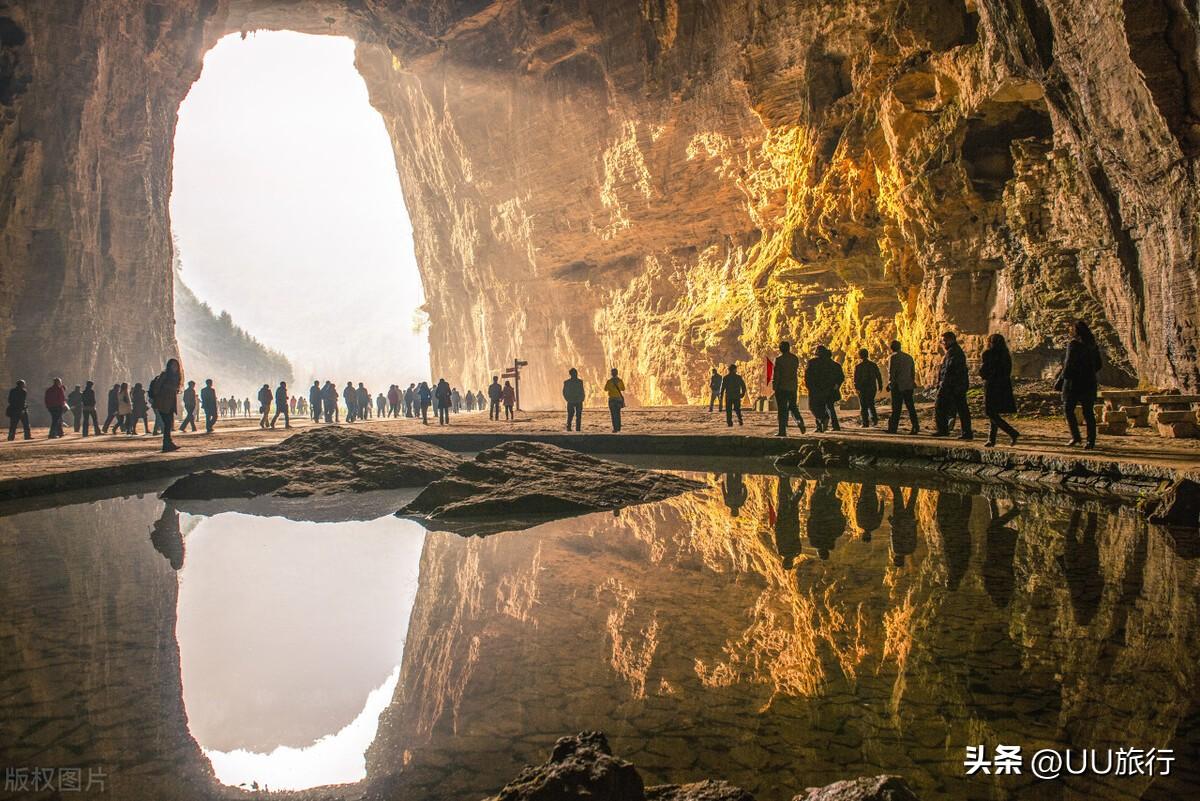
[(615, 388)]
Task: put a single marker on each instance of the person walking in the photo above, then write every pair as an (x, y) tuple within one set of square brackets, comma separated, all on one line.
[(469, 401), (615, 389), (410, 401), (1079, 383), (350, 396), (785, 383), (867, 381), (329, 401), (208, 402), (393, 399), (111, 417), (88, 405), (733, 388), (363, 401), (902, 381), (996, 371), (264, 405), (124, 409), (189, 407), (314, 401), (442, 395), (164, 395), (141, 409), (245, 406), (17, 411), (953, 383), (55, 399), (508, 396), (714, 392), (424, 398), (281, 405), (75, 404), (824, 377), (494, 393), (292, 406), (573, 394)]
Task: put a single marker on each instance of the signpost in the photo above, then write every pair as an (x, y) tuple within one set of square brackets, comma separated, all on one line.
[(514, 373)]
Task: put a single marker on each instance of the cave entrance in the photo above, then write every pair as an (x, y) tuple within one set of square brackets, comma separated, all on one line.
[(288, 218)]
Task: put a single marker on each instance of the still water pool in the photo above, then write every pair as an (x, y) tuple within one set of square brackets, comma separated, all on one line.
[(775, 632)]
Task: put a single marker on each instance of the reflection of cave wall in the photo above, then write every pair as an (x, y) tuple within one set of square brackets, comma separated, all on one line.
[(678, 630), (655, 185)]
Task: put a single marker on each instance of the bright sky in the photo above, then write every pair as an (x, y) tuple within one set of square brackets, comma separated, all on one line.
[(289, 213)]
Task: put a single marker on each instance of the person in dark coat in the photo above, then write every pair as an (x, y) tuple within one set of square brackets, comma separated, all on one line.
[(784, 382), (141, 409), (1078, 381), (208, 402), (410, 401), (826, 521), (508, 396), (165, 397), (314, 401), (714, 391), (903, 522), (867, 382), (329, 401), (787, 521), (902, 382), (494, 393), (189, 407), (281, 405), (18, 411), (953, 383), (363, 399), (424, 398), (824, 377), (573, 394), (75, 404), (56, 404), (264, 404), (733, 389), (995, 369), (393, 399), (734, 492), (444, 398), (88, 405), (868, 511), (111, 416)]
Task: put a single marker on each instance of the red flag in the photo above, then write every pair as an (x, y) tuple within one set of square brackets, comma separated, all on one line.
[(770, 370)]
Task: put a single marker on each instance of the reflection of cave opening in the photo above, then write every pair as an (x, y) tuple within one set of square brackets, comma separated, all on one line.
[(288, 214), (987, 146)]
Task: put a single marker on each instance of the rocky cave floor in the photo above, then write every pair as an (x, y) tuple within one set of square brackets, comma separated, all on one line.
[(138, 457)]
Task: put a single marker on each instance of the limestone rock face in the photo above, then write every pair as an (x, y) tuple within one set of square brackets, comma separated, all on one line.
[(658, 185)]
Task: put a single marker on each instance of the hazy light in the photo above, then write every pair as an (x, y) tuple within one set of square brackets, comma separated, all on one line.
[(288, 210)]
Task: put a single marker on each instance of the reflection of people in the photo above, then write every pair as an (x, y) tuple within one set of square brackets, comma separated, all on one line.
[(826, 522), (868, 512), (903, 523), (999, 549), (167, 538), (787, 521), (733, 490), (1080, 563), (953, 514)]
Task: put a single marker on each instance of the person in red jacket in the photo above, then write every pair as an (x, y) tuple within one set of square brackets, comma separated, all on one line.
[(56, 404), (509, 396)]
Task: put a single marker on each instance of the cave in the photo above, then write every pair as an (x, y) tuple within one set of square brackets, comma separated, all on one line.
[(534, 140)]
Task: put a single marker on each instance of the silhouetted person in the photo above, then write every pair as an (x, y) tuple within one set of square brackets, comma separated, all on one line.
[(470, 401), (165, 397), (995, 368), (424, 398), (363, 399), (734, 492), (714, 392), (953, 383), (208, 402), (281, 405), (903, 523), (573, 394), (88, 405), (189, 407), (508, 396), (264, 405), (393, 398), (245, 407), (17, 411), (124, 409), (56, 403), (444, 399), (614, 388), (455, 400), (824, 377), (1078, 381), (410, 401), (826, 521), (75, 404), (480, 403), (111, 415), (329, 401), (953, 515), (868, 512), (733, 389), (999, 549), (140, 403), (314, 401), (1080, 563), (494, 393), (785, 382), (902, 381), (787, 521), (167, 537), (867, 382)]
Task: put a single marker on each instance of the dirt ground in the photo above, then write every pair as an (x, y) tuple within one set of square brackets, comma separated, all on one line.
[(41, 456)]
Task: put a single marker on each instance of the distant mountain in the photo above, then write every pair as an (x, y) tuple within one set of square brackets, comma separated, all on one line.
[(213, 346)]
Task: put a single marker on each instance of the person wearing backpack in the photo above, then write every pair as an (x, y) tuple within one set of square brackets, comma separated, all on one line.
[(164, 397), (264, 404), (1078, 382)]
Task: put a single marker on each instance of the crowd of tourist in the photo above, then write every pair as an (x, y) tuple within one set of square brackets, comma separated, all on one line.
[(823, 378)]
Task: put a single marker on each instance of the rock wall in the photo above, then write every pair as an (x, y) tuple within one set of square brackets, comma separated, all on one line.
[(659, 185)]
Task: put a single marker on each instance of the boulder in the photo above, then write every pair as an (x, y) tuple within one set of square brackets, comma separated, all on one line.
[(867, 788), (580, 767), (1179, 506), (707, 790), (1182, 429), (321, 461), (818, 453), (520, 484)]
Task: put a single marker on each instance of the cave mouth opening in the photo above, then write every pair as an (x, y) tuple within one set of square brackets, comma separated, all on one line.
[(294, 250)]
